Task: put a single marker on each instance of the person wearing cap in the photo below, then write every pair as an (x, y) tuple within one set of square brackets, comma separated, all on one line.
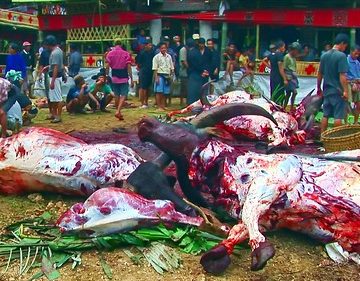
[(56, 71), (101, 91), (332, 82), (198, 59), (290, 71), (119, 61), (163, 68), (144, 64), (29, 59), (15, 61)]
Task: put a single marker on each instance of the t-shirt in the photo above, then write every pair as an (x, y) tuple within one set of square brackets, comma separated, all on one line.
[(144, 60), (74, 92), (105, 90), (44, 57), (15, 113), (289, 63), (275, 58), (243, 61), (56, 58), (118, 59), (75, 62), (163, 63), (332, 63)]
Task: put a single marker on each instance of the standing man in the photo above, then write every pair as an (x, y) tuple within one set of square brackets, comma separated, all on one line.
[(278, 79), (198, 60), (144, 64), (183, 71), (75, 61), (215, 60), (30, 63), (56, 68), (332, 70), (353, 77), (119, 61), (163, 68)]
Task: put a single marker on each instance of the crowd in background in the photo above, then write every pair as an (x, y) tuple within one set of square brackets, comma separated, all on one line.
[(191, 65)]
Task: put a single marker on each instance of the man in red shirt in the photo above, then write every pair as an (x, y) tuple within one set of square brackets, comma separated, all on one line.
[(119, 61)]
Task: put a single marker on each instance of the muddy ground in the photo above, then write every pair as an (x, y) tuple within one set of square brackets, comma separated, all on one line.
[(297, 258)]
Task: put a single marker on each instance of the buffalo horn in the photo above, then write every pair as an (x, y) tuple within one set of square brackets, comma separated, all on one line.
[(219, 114)]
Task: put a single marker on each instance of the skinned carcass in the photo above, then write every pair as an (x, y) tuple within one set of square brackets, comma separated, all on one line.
[(285, 132), (265, 192), (113, 210), (41, 159)]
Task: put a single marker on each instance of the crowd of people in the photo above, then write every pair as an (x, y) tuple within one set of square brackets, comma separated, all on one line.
[(338, 78), (191, 64)]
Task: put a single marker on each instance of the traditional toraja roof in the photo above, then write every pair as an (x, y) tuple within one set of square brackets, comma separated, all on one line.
[(12, 18)]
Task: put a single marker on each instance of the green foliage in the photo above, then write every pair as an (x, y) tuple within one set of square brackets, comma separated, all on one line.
[(38, 243)]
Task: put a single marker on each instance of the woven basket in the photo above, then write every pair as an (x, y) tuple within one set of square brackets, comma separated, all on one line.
[(341, 138)]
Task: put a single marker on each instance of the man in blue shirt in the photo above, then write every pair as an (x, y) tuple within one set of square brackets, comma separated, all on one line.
[(78, 96), (332, 70), (15, 61), (353, 76)]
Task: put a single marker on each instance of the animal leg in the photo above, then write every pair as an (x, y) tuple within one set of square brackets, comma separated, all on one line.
[(217, 260)]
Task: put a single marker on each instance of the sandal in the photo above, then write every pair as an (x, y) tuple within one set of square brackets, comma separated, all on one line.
[(55, 120), (119, 116), (50, 117)]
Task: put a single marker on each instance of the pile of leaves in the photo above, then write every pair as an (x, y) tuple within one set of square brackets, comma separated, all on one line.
[(37, 243)]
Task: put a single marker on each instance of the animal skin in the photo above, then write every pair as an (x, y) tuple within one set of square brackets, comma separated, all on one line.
[(42, 159), (266, 192)]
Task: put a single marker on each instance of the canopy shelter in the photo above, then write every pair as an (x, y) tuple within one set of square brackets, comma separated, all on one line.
[(296, 17)]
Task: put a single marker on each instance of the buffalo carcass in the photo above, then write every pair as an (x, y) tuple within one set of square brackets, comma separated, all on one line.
[(113, 210), (265, 192), (285, 132), (41, 159)]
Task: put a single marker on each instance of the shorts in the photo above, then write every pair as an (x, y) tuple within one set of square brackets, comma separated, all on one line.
[(120, 89), (334, 106), (162, 87), (145, 79), (353, 96), (55, 95)]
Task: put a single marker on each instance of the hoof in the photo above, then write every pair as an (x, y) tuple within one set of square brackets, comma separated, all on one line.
[(216, 260), (261, 255)]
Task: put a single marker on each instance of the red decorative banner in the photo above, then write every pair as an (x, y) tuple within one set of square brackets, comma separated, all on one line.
[(17, 18), (316, 18), (81, 21)]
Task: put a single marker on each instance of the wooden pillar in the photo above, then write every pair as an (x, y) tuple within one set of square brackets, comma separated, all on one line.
[(224, 30), (353, 31)]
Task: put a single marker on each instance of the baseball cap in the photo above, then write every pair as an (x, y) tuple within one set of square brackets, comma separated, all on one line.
[(342, 38), (26, 43), (196, 36), (50, 40), (102, 72), (272, 46)]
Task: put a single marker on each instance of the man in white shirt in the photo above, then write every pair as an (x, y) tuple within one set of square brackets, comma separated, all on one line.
[(163, 68)]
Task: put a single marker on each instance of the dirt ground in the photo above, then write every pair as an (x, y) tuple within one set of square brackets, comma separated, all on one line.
[(297, 257)]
